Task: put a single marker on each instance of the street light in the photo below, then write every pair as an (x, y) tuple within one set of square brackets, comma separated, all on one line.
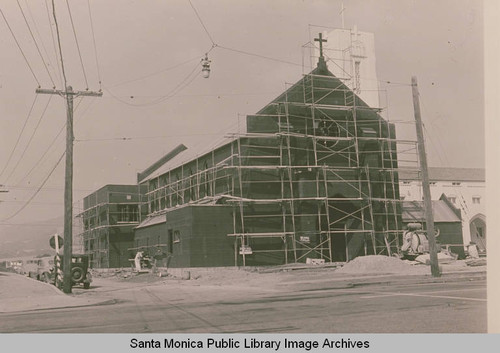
[(205, 63)]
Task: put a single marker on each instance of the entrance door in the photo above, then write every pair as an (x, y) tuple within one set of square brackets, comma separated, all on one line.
[(478, 231)]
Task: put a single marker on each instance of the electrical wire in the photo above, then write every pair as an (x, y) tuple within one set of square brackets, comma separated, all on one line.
[(22, 52), (155, 73), (30, 139), (184, 83), (95, 46), (59, 44), (204, 27), (30, 224), (259, 56), (442, 158), (52, 143), (142, 137), (36, 44), (218, 95), (53, 41), (77, 46), (36, 192), (57, 188), (41, 39), (20, 134)]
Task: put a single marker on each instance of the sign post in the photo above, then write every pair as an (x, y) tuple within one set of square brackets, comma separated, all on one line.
[(54, 243)]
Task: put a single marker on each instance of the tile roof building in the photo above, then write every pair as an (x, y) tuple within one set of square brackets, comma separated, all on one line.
[(464, 187)]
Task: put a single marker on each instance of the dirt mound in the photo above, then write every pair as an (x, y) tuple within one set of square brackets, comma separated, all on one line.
[(379, 264)]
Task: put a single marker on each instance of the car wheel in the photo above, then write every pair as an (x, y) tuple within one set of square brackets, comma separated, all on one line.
[(76, 274)]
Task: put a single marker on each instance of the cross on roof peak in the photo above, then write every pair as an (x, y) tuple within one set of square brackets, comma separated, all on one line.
[(321, 41)]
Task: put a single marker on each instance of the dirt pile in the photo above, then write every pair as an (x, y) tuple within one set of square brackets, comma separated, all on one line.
[(379, 264)]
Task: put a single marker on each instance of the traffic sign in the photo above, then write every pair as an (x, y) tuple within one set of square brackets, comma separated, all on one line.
[(52, 241)]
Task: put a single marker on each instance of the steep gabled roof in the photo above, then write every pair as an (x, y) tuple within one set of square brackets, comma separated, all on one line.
[(319, 83), (413, 211), (326, 87)]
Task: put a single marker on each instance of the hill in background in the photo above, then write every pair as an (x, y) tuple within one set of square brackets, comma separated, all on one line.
[(31, 240)]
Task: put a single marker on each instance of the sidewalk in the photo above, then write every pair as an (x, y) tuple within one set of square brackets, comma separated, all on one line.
[(20, 293)]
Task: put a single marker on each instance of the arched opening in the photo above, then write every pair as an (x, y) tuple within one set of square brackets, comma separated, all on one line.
[(478, 231)]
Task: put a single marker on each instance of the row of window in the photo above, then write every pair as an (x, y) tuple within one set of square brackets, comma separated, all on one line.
[(453, 199), (124, 214), (432, 183)]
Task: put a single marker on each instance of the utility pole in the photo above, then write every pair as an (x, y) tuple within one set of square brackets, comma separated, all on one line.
[(69, 95), (429, 218)]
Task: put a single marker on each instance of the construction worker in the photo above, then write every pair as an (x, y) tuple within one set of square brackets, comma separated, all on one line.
[(137, 260)]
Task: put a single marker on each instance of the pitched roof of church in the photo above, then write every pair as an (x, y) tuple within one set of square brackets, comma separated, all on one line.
[(320, 83)]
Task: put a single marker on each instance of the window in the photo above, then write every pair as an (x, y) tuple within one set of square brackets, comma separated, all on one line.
[(128, 213), (177, 236), (406, 182), (476, 199), (453, 199), (456, 183), (432, 183)]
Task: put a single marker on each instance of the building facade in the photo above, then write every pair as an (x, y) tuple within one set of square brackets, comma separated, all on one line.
[(466, 190), (314, 176)]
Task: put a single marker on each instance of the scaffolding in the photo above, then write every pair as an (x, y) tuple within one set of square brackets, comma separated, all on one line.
[(314, 176), (102, 217)]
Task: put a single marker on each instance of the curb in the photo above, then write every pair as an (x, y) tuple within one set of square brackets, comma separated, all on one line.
[(105, 302)]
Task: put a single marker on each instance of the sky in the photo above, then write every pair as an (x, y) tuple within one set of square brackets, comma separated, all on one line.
[(145, 56)]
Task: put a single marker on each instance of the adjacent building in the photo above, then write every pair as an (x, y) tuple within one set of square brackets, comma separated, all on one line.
[(109, 217), (447, 222), (464, 187)]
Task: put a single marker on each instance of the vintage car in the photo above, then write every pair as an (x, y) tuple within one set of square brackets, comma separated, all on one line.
[(80, 274)]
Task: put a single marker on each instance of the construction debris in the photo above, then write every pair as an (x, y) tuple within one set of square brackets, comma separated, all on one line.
[(476, 262), (443, 258), (380, 264)]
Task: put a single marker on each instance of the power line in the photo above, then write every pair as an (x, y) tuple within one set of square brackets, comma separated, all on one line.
[(156, 73), (37, 191), (95, 46), (34, 203), (22, 52), (77, 45), (59, 188), (209, 95), (19, 137), (52, 143), (53, 41), (59, 44), (143, 137), (184, 83), (30, 224), (36, 44), (30, 139), (199, 18), (41, 39), (258, 55)]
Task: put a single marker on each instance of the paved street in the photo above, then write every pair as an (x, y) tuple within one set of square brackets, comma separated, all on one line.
[(309, 303)]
